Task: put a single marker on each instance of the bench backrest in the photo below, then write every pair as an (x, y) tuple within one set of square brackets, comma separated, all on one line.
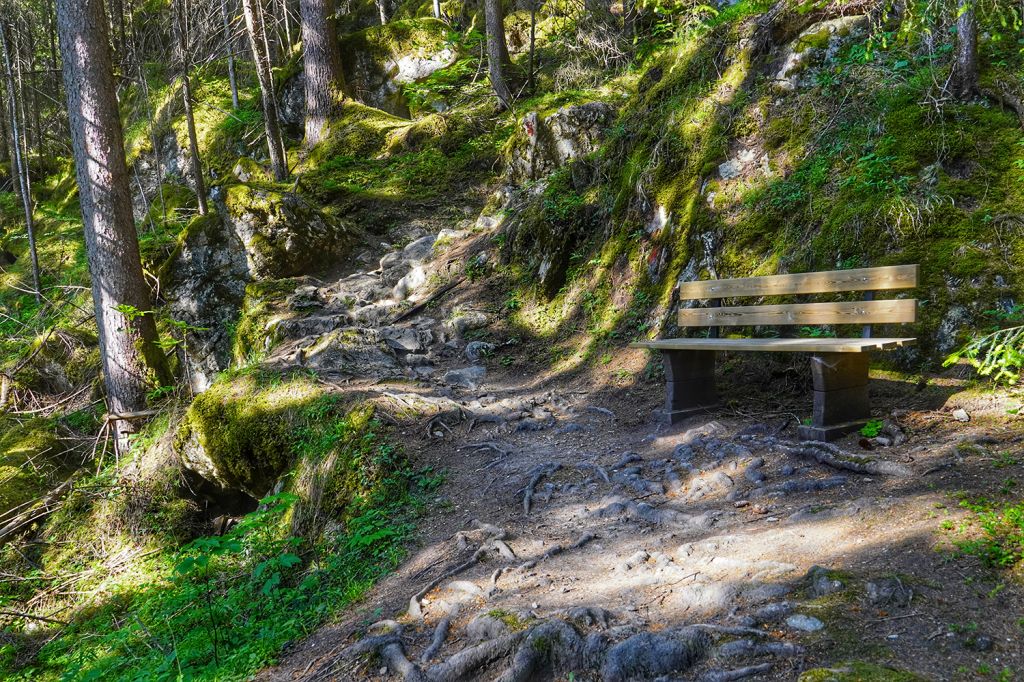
[(866, 312)]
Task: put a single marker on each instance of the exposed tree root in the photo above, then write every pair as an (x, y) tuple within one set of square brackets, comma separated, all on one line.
[(537, 474), (737, 674), (620, 506), (491, 535), (830, 455), (599, 470), (551, 647), (440, 635)]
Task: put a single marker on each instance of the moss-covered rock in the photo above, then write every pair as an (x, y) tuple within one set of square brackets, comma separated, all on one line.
[(546, 143), (282, 234), (239, 433), (31, 460)]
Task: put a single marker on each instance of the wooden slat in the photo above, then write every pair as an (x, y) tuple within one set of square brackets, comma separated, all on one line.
[(855, 312), (778, 345), (863, 279)]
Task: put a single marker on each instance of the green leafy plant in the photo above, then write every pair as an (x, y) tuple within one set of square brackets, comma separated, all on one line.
[(999, 355), (872, 428)]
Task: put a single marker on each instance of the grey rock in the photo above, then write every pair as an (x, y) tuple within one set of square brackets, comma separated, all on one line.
[(468, 377), (767, 592), (548, 143), (979, 643), (485, 627), (467, 321), (475, 350), (961, 415), (888, 591), (406, 340), (804, 623), (821, 583)]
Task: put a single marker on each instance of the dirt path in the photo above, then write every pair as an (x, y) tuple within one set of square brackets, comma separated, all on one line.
[(576, 533)]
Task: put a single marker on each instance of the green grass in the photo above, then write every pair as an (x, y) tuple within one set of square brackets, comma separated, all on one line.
[(997, 531)]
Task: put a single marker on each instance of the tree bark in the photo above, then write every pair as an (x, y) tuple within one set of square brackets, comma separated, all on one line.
[(497, 50), (131, 357), (964, 79), (437, 9), (383, 10), (325, 80), (185, 62), (260, 52), (21, 167), (229, 44)]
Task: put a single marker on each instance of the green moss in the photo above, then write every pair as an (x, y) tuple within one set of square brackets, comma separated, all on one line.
[(244, 425), (252, 338), (859, 671), (31, 458), (513, 621)]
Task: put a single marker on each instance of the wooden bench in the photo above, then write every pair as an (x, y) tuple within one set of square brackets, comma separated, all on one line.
[(839, 366)]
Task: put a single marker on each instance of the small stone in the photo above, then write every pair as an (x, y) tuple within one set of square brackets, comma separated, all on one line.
[(475, 350), (979, 643), (467, 321), (961, 415), (787, 470), (886, 591), (804, 623)]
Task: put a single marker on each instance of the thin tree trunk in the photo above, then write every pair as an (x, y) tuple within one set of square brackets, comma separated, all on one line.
[(21, 167), (325, 80), (497, 50), (5, 144), (382, 9), (533, 40), (127, 329), (180, 14), (437, 9), (229, 44), (964, 79), (258, 41)]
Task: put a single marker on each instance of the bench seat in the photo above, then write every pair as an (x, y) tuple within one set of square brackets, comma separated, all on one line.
[(820, 345)]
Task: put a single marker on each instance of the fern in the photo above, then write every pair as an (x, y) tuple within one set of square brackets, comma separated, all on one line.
[(999, 355)]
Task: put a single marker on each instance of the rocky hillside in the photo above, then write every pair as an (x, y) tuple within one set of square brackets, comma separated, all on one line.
[(406, 403)]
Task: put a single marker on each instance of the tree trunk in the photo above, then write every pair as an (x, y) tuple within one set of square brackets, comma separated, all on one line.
[(437, 9), (258, 40), (497, 50), (321, 56), (384, 10), (964, 79), (127, 329), (533, 42), (180, 14), (21, 167), (229, 44)]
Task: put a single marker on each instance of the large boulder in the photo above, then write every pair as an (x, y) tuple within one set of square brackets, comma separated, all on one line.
[(283, 235), (238, 435), (255, 235), (547, 143)]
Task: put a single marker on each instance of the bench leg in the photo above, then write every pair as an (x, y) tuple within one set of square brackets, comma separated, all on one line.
[(841, 403), (690, 389)]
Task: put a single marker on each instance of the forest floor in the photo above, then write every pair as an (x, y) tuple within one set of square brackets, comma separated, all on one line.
[(785, 556)]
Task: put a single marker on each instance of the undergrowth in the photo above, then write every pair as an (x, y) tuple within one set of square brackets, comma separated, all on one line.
[(222, 607)]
